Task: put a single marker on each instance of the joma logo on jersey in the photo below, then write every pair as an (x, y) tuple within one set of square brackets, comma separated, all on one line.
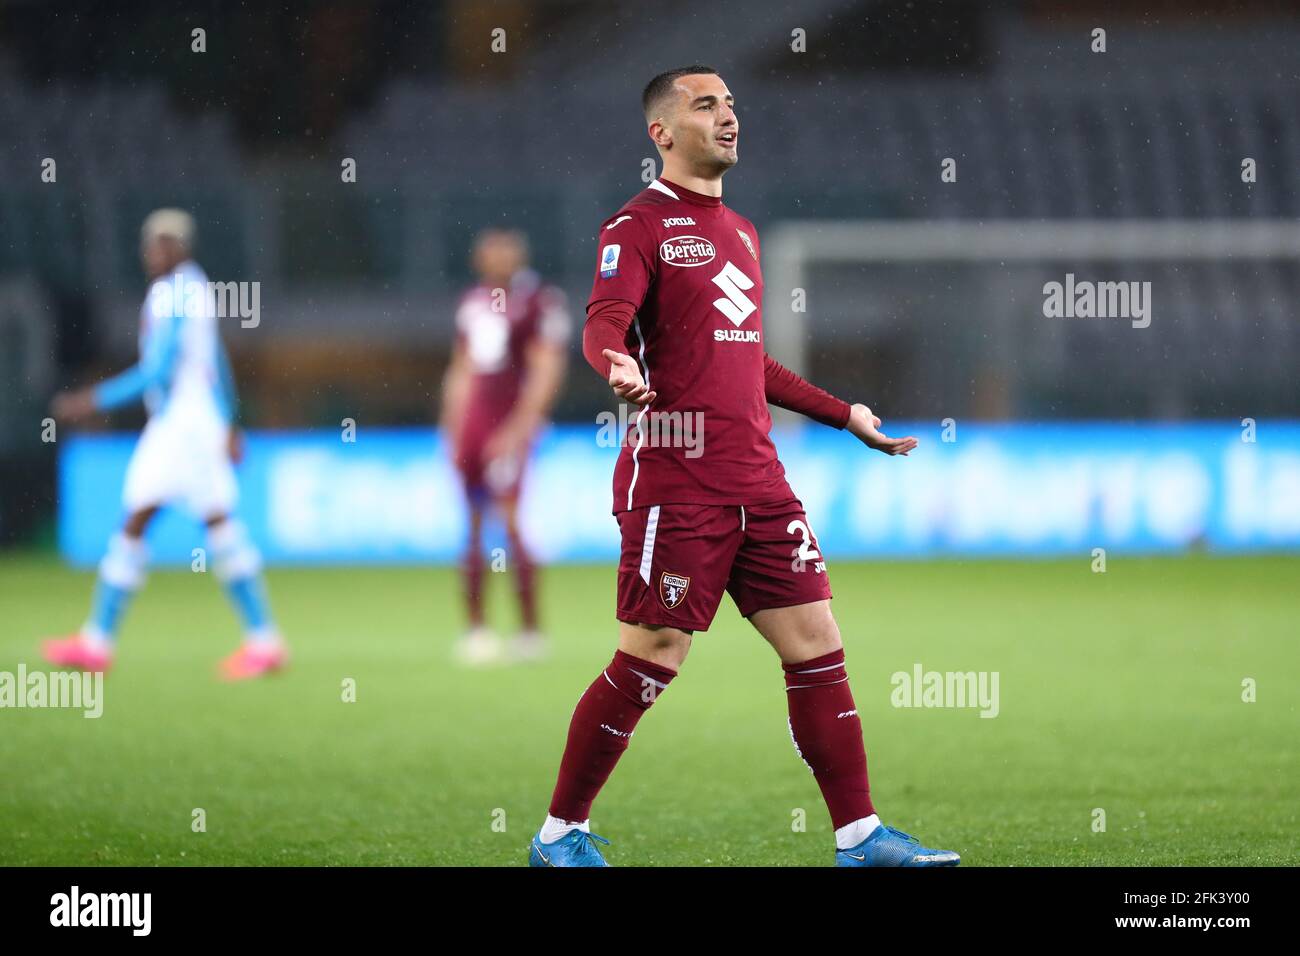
[(679, 221), (673, 588), (687, 251)]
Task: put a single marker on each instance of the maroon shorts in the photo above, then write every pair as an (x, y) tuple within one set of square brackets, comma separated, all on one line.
[(678, 559), (489, 478)]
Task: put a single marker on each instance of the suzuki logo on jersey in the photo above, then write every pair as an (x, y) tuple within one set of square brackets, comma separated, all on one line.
[(679, 221), (609, 261), (736, 306), (673, 588), (687, 251)]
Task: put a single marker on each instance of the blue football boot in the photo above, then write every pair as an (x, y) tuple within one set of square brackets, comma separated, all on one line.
[(575, 848), (889, 847)]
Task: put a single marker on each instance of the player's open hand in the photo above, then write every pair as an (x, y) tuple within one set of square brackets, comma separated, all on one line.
[(235, 445), (625, 378), (866, 427), (73, 406), (510, 442)]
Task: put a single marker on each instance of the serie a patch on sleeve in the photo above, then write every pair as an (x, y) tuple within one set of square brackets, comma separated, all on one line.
[(609, 261)]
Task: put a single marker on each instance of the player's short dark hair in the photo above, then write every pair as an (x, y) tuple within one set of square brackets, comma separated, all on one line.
[(662, 84), (503, 232)]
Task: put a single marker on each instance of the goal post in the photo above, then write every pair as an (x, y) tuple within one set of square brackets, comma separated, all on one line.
[(1003, 264)]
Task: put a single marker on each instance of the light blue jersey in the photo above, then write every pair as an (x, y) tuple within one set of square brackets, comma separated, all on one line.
[(183, 370)]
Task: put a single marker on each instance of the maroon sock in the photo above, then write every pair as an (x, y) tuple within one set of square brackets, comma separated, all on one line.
[(472, 578), (525, 582), (600, 729), (827, 734)]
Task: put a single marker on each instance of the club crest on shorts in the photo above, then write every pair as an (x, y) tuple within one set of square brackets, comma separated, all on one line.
[(673, 588)]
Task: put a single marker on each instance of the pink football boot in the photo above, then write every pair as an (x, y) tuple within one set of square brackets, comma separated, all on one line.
[(76, 651), (253, 659)]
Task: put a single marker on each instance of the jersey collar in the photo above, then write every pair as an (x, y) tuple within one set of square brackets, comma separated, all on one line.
[(685, 195)]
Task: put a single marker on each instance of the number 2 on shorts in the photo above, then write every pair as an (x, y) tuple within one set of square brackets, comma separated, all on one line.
[(806, 551)]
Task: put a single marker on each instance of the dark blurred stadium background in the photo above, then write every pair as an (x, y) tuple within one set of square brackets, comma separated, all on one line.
[(358, 281), (1130, 693)]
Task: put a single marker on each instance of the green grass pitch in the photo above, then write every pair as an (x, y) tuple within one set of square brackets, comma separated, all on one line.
[(1119, 691)]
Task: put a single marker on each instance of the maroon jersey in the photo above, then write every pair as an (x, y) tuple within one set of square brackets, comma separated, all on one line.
[(689, 267), (494, 328)]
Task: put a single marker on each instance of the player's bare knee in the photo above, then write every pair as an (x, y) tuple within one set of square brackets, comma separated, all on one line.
[(799, 633), (827, 636), (666, 646), (821, 638), (138, 522)]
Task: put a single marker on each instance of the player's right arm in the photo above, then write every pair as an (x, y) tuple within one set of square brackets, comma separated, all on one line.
[(624, 271), (626, 380), (228, 403), (227, 394), (455, 395), (603, 338)]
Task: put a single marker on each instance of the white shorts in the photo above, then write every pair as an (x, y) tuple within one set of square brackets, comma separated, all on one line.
[(184, 462)]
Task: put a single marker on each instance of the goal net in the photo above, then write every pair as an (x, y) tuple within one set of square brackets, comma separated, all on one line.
[(1017, 319)]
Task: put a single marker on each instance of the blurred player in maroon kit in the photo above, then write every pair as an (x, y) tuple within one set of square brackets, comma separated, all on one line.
[(674, 324), (505, 371)]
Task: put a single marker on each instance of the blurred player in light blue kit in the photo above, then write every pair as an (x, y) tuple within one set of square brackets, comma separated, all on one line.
[(185, 456)]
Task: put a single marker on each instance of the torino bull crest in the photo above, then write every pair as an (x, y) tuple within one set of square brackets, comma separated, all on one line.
[(673, 588)]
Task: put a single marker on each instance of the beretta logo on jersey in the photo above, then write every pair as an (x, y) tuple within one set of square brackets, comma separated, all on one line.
[(687, 251), (609, 261), (673, 588)]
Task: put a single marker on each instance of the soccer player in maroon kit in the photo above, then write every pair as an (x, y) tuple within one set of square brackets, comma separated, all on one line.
[(505, 371), (675, 325)]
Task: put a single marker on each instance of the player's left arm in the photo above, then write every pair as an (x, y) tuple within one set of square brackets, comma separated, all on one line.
[(785, 389), (154, 368), (544, 365), (865, 427)]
